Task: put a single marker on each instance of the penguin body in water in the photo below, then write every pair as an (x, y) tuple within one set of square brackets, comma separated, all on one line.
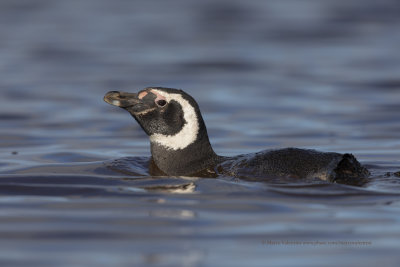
[(180, 145)]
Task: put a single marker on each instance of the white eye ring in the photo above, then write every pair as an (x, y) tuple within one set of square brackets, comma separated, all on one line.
[(161, 102)]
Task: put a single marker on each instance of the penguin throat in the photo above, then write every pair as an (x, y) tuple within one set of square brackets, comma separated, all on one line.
[(188, 134)]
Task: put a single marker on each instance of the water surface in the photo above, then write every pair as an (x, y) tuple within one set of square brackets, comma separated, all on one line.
[(74, 187)]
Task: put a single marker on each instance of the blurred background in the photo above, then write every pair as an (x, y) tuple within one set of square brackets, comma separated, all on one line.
[(265, 73), (322, 74)]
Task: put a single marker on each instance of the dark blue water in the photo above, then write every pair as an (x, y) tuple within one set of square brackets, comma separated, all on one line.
[(74, 187)]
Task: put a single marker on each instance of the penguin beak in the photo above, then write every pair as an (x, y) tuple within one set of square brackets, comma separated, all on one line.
[(121, 99), (136, 104)]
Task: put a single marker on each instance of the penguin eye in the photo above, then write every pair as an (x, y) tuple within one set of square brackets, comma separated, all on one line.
[(161, 102)]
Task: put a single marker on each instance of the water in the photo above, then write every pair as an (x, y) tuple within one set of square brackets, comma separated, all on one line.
[(267, 74)]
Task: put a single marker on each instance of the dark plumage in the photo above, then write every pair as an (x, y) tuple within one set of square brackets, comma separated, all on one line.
[(180, 144)]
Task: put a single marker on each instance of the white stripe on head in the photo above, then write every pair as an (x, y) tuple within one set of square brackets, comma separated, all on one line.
[(189, 131)]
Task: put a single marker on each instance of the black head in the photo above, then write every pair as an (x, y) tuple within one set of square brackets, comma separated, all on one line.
[(169, 116), (172, 119)]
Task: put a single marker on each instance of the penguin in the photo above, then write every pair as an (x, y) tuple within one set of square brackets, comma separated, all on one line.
[(180, 145)]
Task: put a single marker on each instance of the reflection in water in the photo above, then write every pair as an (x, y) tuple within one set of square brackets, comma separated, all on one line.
[(176, 214), (176, 189)]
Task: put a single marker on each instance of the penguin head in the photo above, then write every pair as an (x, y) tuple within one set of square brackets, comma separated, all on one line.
[(169, 116)]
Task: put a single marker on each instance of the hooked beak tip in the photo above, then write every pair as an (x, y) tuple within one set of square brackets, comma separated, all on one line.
[(111, 98)]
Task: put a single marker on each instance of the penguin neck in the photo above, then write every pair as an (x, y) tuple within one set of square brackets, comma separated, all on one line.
[(195, 157)]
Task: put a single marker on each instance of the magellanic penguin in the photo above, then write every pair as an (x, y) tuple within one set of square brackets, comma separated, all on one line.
[(180, 145)]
